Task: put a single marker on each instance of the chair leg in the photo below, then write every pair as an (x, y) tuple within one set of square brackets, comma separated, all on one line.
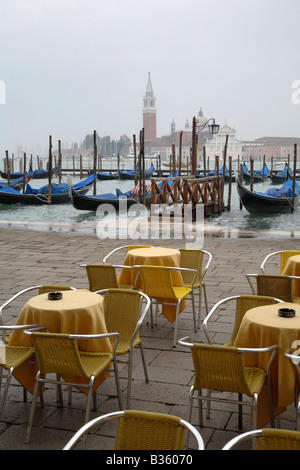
[(32, 409), (199, 307), (176, 324), (205, 298), (144, 363), (271, 401), (89, 400), (129, 377), (240, 412), (194, 312), (117, 383), (8, 379)]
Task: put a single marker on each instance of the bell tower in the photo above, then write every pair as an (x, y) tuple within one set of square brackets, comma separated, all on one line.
[(149, 112)]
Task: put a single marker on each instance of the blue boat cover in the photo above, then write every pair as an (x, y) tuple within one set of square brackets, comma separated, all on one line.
[(83, 183), (9, 190), (283, 173), (55, 189), (286, 190)]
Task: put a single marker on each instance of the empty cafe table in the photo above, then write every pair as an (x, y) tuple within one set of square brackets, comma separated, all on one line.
[(155, 256), (262, 327), (77, 312)]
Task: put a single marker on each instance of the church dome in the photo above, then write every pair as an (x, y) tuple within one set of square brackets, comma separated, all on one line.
[(201, 119)]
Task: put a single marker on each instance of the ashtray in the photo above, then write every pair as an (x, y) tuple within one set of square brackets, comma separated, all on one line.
[(286, 312), (55, 295)]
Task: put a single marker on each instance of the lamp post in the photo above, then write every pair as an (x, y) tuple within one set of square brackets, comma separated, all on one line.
[(213, 129)]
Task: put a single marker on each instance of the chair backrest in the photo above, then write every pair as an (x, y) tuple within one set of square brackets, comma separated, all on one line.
[(245, 303), (268, 439), (142, 430), (57, 353), (157, 281), (122, 309), (273, 285), (47, 288), (191, 259), (101, 276), (145, 431), (219, 368)]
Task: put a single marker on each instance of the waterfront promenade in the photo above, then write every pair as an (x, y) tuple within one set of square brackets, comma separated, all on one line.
[(31, 257)]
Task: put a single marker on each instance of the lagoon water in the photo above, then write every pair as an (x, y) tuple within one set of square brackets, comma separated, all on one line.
[(66, 218)]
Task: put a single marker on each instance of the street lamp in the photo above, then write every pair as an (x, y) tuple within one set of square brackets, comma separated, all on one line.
[(213, 129)]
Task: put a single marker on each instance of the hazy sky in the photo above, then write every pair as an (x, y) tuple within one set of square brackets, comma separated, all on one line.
[(72, 66)]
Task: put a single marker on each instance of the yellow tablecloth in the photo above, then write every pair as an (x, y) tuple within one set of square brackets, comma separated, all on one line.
[(78, 312), (156, 256), (262, 327), (292, 268)]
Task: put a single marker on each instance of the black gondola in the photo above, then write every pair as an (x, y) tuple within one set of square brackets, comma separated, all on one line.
[(60, 193), (129, 175), (16, 184), (92, 202), (107, 176), (36, 174), (277, 201), (258, 175), (282, 176)]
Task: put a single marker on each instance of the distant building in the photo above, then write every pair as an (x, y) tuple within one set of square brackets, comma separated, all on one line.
[(216, 145), (280, 148)]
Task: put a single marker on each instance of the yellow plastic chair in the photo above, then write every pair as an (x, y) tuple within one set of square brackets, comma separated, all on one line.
[(125, 248), (296, 363), (268, 439), (221, 368), (104, 276), (284, 256), (59, 354), (12, 357), (194, 259), (124, 311), (157, 283), (243, 303), (272, 284), (143, 430)]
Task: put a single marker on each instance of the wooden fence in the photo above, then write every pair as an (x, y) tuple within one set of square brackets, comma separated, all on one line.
[(208, 191)]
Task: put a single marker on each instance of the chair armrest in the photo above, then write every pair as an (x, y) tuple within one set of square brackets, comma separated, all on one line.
[(171, 268), (98, 336), (113, 251), (262, 267), (28, 289), (273, 349), (207, 264), (211, 312)]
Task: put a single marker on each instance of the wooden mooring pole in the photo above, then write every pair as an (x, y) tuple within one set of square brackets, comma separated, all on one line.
[(50, 170)]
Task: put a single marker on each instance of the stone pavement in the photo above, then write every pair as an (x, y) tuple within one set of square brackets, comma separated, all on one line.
[(31, 257)]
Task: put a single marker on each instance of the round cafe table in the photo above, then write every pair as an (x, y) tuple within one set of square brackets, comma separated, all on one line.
[(78, 312), (263, 327), (292, 268), (156, 256)]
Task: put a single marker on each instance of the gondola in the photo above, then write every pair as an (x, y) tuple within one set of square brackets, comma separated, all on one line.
[(258, 175), (15, 184), (282, 176), (92, 202), (277, 201), (129, 175), (107, 176), (60, 193), (36, 174)]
